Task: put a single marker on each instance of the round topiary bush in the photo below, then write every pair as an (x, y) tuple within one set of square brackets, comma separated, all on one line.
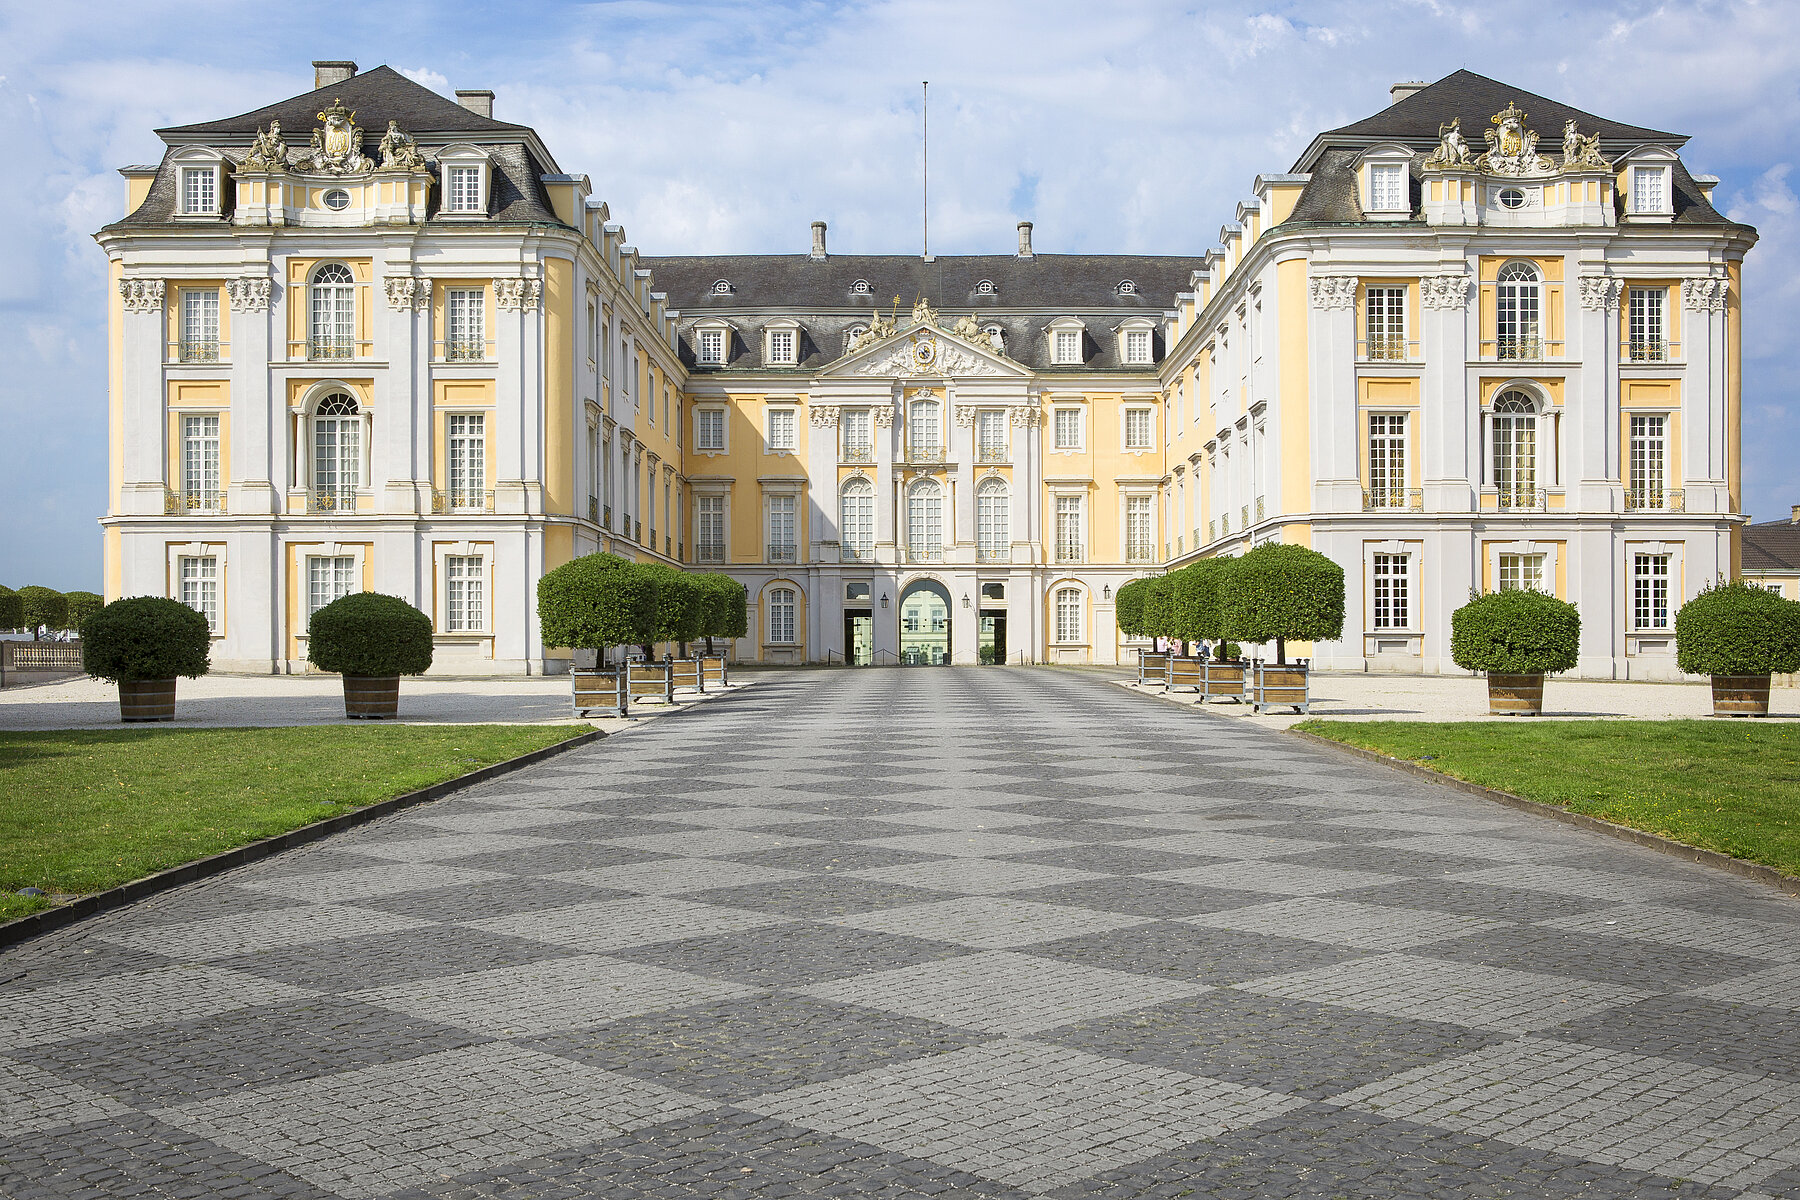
[(145, 637), (681, 606), (1128, 608), (1196, 594), (1281, 593), (727, 607), (1737, 628), (46, 607), (597, 601), (1515, 632), (82, 605), (370, 635), (12, 609)]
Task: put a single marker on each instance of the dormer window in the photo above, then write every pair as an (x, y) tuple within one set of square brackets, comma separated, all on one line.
[(464, 173), (200, 191), (1126, 288), (996, 337), (1068, 346), (1387, 187), (721, 287), (861, 288), (985, 288), (709, 347), (851, 334), (464, 189), (781, 345), (1137, 347), (1649, 190)]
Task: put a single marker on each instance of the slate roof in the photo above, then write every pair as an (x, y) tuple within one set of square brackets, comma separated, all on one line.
[(378, 96), (1772, 546)]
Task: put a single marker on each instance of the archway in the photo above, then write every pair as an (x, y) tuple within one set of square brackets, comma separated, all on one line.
[(925, 624)]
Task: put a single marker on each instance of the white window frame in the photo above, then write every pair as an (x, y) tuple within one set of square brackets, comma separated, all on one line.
[(1532, 425), (1068, 617), (197, 331), (1148, 415), (781, 344), (709, 345), (1645, 178), (204, 167), (1076, 414), (1647, 455), (358, 421), (925, 503), (781, 429), (1548, 552), (856, 444), (178, 553), (444, 552), (1647, 324), (714, 415), (1638, 579), (991, 435), (917, 421), (469, 445), (1139, 545), (781, 526), (1520, 572), (1066, 346), (331, 310), (1519, 302), (856, 530), (993, 521), (206, 447), (351, 577), (465, 324), (1384, 323), (708, 506), (1388, 449), (773, 631), (464, 155), (1387, 186), (1410, 553), (1069, 505), (1136, 347)]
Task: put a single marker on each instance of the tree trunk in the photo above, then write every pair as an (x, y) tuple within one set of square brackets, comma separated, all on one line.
[(649, 651), (709, 648), (1281, 652)]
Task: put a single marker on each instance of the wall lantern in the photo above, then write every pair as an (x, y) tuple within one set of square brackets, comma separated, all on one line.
[(966, 603), (1106, 592), (884, 599)]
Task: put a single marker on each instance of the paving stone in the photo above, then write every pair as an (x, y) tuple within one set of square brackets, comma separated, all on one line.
[(136, 1155), (1476, 900), (1591, 956), (1142, 896), (1180, 951), (1281, 878), (987, 922), (619, 924), (1751, 938), (1129, 859), (819, 897), (794, 954), (224, 937), (1575, 881), (1343, 922), (1697, 1029), (1776, 987), (975, 876), (673, 876), (33, 1099), (59, 1012), (362, 882), (501, 897), (446, 847), (406, 956)]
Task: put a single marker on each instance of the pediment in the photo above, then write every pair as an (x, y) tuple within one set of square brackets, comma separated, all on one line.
[(924, 350)]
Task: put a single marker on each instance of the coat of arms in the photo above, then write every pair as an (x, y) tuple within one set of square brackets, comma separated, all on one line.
[(337, 145)]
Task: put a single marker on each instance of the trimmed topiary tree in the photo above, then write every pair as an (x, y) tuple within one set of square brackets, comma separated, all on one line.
[(681, 607), (1157, 619), (145, 637), (369, 635), (1195, 602), (1128, 608), (12, 609), (727, 608), (46, 607), (596, 602), (1279, 593), (82, 605), (1737, 628), (1515, 632)]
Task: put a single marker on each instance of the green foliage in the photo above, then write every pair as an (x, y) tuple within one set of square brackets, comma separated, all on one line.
[(681, 605), (12, 609), (597, 601), (1229, 650), (1156, 619), (727, 606), (1516, 632), (82, 605), (367, 633), (1128, 608), (1283, 593), (145, 637), (44, 606), (1195, 597), (1737, 628)]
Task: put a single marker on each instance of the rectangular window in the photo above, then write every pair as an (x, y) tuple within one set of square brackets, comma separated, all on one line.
[(466, 451), (1137, 347), (200, 462), (1647, 190), (922, 431), (1649, 459), (199, 325), (1647, 343), (1069, 540), (709, 429), (465, 605), (1384, 312), (1521, 572), (781, 615), (464, 190), (465, 312), (1137, 428), (781, 346), (1387, 187), (1140, 530), (1068, 429), (1650, 591), (1068, 615), (1068, 347), (1392, 602), (1387, 460), (990, 435), (200, 586), (711, 347), (709, 529), (855, 428), (782, 429), (781, 529), (199, 190), (328, 579)]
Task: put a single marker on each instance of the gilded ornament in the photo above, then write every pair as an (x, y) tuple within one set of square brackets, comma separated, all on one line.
[(1512, 148), (337, 146)]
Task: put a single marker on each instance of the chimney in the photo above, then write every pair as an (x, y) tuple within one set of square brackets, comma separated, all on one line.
[(328, 74), (1025, 239), (818, 250), (1401, 91), (1794, 515), (481, 103)]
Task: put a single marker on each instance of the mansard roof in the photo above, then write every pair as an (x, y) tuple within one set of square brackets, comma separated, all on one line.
[(378, 96), (1476, 98), (1772, 546)]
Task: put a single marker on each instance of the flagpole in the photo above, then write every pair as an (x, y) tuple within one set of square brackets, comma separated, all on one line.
[(925, 174)]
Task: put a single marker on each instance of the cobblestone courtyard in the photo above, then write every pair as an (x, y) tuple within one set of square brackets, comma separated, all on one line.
[(915, 933)]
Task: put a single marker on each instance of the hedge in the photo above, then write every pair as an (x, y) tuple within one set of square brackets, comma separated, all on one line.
[(44, 606), (727, 608), (12, 609), (1283, 593), (1737, 628), (145, 637), (1157, 619), (369, 634), (82, 605), (1515, 632), (596, 601)]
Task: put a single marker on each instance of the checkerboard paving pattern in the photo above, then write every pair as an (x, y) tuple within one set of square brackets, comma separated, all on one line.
[(892, 934)]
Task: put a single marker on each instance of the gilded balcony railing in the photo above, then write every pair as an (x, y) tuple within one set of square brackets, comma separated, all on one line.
[(709, 552), (855, 452), (1259, 508), (606, 516), (1244, 517), (924, 554), (1656, 499), (331, 500), (594, 509), (330, 347), (1529, 499), (176, 503), (461, 500), (991, 454), (1393, 499), (197, 350), (924, 454), (1066, 553), (847, 552), (783, 552), (1140, 553), (993, 554), (1640, 349), (463, 349), (1387, 348), (1521, 347)]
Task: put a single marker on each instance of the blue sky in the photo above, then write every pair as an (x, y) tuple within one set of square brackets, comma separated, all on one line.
[(730, 126)]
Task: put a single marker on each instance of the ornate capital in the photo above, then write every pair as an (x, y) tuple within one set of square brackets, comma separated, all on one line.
[(406, 292), (822, 414), (1028, 418), (516, 295), (965, 415), (884, 415), (1444, 291), (143, 295), (1599, 292), (248, 295), (1333, 291), (1703, 294)]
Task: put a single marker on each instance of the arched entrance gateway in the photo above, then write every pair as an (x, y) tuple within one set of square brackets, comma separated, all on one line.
[(925, 624)]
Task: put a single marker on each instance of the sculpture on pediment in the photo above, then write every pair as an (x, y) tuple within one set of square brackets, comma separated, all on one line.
[(1512, 148), (1581, 153), (969, 329), (337, 145), (398, 150), (923, 313), (1453, 148), (267, 151)]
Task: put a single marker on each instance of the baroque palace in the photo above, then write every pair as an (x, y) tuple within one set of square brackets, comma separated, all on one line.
[(370, 338)]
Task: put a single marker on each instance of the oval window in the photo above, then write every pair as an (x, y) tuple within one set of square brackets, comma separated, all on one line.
[(337, 198), (1512, 198)]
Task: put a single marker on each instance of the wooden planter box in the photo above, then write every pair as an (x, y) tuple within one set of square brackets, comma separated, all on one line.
[(1515, 695), (371, 697), (686, 673), (147, 699), (1186, 672), (712, 669), (1224, 680), (1740, 695), (1281, 687), (600, 692), (651, 681), (1153, 667)]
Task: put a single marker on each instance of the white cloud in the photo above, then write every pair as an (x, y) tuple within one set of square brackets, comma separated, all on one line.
[(426, 77)]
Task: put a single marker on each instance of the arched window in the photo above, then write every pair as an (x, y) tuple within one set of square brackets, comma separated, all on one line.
[(1068, 614), (721, 287), (996, 337), (332, 305), (925, 522), (993, 528), (923, 434), (1126, 288), (337, 446), (861, 288), (856, 521), (781, 615), (851, 334), (985, 288), (1518, 305), (1515, 441)]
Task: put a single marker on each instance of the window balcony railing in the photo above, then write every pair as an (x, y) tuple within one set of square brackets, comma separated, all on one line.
[(463, 350), (991, 454), (1244, 521), (1528, 349), (924, 454), (331, 347), (924, 554), (198, 350), (637, 531), (993, 554), (783, 552), (594, 510), (709, 552), (668, 546), (1212, 532), (680, 551), (178, 503), (1648, 350), (856, 453), (1070, 554), (1655, 499), (851, 553), (606, 516), (1259, 508), (1140, 554), (1526, 499), (1376, 499), (1197, 542), (331, 500), (1387, 348), (461, 500)]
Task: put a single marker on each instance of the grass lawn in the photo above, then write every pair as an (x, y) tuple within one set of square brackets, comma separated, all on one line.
[(81, 811), (1731, 786)]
